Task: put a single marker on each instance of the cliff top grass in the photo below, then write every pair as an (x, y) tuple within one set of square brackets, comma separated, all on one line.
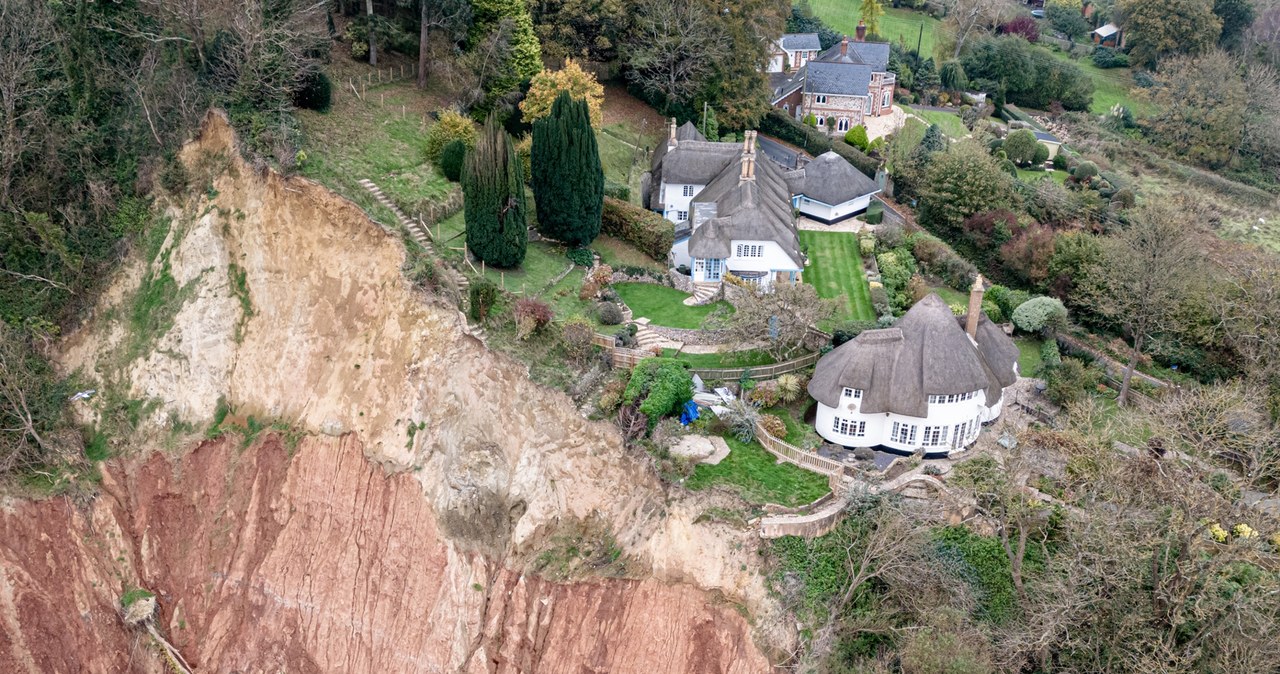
[(757, 477)]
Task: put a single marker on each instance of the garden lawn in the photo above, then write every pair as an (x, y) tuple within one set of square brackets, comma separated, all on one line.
[(623, 161), (949, 122), (896, 24), (951, 296), (618, 253), (757, 477), (663, 305), (731, 359), (835, 270), (543, 261), (1029, 359)]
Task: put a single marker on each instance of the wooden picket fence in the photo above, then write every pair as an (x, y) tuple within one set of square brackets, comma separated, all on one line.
[(759, 372), (359, 86)]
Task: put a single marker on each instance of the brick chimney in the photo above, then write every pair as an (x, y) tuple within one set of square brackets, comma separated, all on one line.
[(671, 133), (975, 307), (844, 46), (748, 156), (860, 33)]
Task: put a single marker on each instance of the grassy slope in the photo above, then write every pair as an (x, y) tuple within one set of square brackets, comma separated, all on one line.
[(757, 477), (1111, 85), (950, 123), (1032, 176), (663, 305), (1029, 359), (618, 253), (710, 361), (895, 25), (835, 270), (372, 139)]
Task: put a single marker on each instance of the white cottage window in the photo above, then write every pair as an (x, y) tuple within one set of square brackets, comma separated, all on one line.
[(854, 393), (687, 190), (820, 98), (903, 433), (856, 429), (682, 215)]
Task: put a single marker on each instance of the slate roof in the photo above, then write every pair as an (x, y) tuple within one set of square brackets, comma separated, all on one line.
[(839, 79), (1047, 137), (800, 42), (874, 54), (831, 179), (926, 352)]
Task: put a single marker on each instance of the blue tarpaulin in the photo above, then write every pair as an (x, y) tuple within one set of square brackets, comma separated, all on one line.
[(689, 413)]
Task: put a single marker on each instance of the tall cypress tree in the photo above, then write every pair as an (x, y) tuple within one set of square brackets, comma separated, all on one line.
[(493, 187), (568, 183)]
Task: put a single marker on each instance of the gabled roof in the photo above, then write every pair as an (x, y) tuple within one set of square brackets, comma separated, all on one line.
[(1106, 30), (831, 179), (697, 162), (800, 42), (873, 54), (685, 132), (756, 209), (1046, 137), (926, 352), (840, 79)]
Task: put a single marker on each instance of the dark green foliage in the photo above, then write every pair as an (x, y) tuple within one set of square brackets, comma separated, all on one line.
[(617, 190), (1106, 57), (482, 295), (452, 159), (1237, 16), (933, 141), (609, 314), (642, 228), (1067, 20), (875, 213), (315, 92), (1071, 381), (493, 186), (953, 76), (583, 257), (1020, 147), (802, 20), (1041, 155), (567, 181), (660, 386), (1026, 74), (173, 174), (981, 562), (781, 125), (848, 330), (857, 137)]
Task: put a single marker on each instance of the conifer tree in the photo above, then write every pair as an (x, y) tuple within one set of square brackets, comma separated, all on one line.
[(568, 183), (493, 187)]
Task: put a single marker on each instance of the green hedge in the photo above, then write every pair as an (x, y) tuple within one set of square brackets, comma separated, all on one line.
[(644, 229), (780, 125)]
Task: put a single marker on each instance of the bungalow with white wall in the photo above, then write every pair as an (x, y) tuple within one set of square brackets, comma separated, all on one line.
[(791, 51), (927, 383), (831, 189)]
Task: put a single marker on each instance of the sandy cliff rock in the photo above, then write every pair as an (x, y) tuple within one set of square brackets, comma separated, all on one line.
[(372, 549)]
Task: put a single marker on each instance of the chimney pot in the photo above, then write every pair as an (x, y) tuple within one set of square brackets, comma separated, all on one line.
[(975, 307), (861, 33), (844, 46), (671, 133)]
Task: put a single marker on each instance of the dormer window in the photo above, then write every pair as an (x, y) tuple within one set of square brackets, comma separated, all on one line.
[(952, 398), (687, 190), (853, 393), (749, 250)]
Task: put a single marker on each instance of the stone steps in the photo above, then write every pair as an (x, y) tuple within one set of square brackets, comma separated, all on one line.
[(703, 293)]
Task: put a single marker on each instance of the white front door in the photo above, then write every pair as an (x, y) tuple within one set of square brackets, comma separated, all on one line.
[(698, 268)]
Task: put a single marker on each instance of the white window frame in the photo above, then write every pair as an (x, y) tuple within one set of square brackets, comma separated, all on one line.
[(903, 433), (849, 427), (686, 190), (822, 121), (819, 98), (749, 250), (842, 124), (853, 393), (935, 436), (888, 98)]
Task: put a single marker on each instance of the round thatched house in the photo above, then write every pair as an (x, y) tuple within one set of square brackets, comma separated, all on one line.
[(929, 382)]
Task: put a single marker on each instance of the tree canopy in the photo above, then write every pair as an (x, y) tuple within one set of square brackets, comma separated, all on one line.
[(571, 79), (1159, 29), (493, 189), (568, 182)]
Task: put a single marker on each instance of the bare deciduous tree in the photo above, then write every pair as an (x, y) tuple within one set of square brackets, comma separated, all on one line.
[(1144, 271), (779, 321), (448, 16), (28, 80), (673, 46)]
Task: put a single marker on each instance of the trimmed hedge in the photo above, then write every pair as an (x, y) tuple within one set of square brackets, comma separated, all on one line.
[(780, 125), (644, 229)]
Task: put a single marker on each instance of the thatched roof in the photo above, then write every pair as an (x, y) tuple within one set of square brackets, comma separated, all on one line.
[(926, 352)]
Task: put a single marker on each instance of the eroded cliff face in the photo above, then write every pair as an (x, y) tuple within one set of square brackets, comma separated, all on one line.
[(368, 547)]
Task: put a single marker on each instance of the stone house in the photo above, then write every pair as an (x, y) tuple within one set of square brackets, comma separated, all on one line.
[(841, 86)]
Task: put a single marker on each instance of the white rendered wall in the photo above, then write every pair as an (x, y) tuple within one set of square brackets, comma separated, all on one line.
[(880, 426), (817, 209), (674, 200)]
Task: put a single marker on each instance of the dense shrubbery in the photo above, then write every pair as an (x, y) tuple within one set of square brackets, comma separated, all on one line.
[(452, 159), (644, 229), (1031, 76), (1106, 57), (315, 92), (531, 316), (1071, 381), (617, 190), (1040, 313), (659, 386), (938, 260), (451, 126), (848, 330), (483, 294), (608, 313)]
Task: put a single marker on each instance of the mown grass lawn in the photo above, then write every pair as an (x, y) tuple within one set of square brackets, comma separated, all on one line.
[(730, 359), (896, 25), (663, 305), (1029, 359), (949, 122), (543, 261), (835, 270), (757, 477), (624, 162)]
